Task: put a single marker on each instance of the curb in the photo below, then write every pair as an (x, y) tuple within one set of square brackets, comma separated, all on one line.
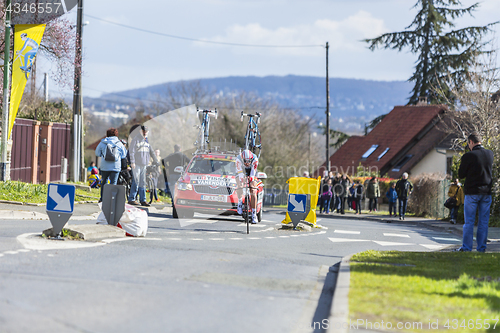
[(339, 315)]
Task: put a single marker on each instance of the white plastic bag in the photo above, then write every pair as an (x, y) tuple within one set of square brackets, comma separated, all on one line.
[(134, 221)]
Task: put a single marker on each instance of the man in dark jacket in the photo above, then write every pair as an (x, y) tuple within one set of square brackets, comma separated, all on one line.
[(476, 167), (344, 185), (403, 188), (177, 158)]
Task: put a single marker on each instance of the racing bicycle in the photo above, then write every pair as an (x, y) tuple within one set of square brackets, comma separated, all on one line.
[(252, 135), (203, 140)]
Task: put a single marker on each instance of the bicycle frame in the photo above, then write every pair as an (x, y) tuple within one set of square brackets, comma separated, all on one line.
[(203, 137), (252, 134)]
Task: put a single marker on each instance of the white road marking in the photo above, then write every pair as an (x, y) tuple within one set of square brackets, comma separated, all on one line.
[(174, 239), (433, 246), (196, 239), (253, 225), (253, 238), (347, 232), (23, 250), (270, 237), (216, 239), (236, 238), (10, 252), (396, 235), (172, 232), (284, 236), (391, 243), (447, 239), (346, 240), (1, 254)]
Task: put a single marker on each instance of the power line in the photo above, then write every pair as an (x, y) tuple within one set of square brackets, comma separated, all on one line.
[(198, 40)]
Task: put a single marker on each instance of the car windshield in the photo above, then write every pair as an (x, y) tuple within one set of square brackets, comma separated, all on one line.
[(212, 166)]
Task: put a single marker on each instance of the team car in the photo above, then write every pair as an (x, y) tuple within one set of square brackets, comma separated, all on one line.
[(208, 186)]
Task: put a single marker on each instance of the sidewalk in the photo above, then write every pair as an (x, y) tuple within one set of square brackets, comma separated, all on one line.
[(456, 229)]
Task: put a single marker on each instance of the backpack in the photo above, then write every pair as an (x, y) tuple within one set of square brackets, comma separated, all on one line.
[(111, 154)]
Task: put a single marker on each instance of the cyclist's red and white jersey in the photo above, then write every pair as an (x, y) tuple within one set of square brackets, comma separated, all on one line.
[(243, 171)]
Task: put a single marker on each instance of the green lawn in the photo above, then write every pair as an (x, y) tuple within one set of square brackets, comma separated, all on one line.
[(37, 193), (459, 291)]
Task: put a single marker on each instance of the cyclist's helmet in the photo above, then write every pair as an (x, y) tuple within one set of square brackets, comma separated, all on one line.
[(247, 156)]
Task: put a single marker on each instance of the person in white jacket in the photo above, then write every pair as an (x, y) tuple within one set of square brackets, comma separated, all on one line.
[(110, 169)]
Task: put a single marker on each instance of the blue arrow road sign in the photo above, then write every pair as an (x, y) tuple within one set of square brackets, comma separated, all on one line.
[(297, 203), (60, 198)]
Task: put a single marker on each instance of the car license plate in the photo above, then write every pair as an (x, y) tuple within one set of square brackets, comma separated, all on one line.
[(219, 198)]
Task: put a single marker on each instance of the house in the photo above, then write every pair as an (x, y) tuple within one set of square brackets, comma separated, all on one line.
[(408, 139)]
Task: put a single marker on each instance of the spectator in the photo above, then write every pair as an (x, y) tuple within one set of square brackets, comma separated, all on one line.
[(392, 197), (350, 198), (358, 196), (344, 190), (337, 190), (404, 188), (305, 174), (92, 167), (140, 153), (94, 180), (373, 193), (476, 167), (177, 158), (326, 196), (156, 175), (110, 169), (456, 192)]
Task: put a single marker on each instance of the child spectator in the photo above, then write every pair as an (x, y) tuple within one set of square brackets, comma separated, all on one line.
[(392, 196)]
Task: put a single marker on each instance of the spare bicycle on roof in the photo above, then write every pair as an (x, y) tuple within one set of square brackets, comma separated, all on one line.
[(203, 140), (252, 135)]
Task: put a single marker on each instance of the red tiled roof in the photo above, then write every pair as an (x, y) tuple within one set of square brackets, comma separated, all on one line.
[(399, 130)]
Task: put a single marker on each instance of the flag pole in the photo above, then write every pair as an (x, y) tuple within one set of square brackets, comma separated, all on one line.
[(4, 175)]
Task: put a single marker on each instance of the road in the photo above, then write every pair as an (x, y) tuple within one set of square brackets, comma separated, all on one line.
[(206, 276)]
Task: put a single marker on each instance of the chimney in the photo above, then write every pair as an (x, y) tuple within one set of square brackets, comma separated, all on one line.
[(422, 100)]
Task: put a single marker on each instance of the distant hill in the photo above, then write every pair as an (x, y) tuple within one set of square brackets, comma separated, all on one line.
[(352, 102)]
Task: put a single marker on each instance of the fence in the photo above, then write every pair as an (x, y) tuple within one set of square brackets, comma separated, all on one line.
[(27, 148), (429, 195)]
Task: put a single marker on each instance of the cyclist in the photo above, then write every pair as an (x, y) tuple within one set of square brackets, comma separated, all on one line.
[(246, 167)]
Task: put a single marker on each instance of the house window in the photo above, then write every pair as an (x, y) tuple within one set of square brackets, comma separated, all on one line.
[(401, 163), (383, 153), (369, 151)]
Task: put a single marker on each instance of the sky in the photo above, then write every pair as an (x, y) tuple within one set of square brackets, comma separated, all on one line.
[(117, 58)]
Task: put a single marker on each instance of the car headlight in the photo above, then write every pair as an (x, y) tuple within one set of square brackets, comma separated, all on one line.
[(184, 186)]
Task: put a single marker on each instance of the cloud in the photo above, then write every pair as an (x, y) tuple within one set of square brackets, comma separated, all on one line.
[(344, 35)]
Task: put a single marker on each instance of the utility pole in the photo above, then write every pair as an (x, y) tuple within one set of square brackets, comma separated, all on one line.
[(46, 87), (4, 169), (328, 163), (77, 98)]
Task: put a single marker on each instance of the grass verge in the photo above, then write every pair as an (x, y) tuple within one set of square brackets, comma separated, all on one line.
[(37, 193), (426, 291)]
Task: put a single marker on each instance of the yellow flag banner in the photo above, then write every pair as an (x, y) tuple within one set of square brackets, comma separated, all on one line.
[(27, 38)]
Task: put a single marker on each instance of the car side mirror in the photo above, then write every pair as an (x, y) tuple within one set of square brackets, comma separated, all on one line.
[(261, 175), (178, 169)]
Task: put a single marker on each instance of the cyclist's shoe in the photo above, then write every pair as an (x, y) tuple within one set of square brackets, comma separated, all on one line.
[(240, 208), (254, 219), (145, 204)]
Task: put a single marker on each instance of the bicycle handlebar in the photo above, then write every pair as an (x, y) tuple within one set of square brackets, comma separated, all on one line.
[(256, 115), (213, 113)]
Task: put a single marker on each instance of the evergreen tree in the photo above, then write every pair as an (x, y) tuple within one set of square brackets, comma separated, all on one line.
[(441, 50)]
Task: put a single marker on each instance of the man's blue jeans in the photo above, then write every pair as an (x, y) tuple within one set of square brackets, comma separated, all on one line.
[(402, 206), (138, 184), (480, 203)]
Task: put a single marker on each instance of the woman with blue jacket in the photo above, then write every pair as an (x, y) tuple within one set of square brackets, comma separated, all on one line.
[(110, 169)]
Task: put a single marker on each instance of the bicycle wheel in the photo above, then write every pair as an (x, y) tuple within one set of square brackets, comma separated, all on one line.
[(257, 148), (151, 186)]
